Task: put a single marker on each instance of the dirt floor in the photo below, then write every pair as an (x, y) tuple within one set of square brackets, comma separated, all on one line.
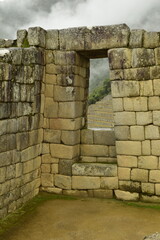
[(87, 219)]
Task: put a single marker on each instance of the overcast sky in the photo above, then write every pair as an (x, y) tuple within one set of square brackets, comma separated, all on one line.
[(53, 14)]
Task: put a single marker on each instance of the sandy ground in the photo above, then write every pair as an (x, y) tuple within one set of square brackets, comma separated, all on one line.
[(87, 219)]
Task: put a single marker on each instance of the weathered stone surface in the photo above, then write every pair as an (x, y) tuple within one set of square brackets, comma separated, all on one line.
[(87, 136), (125, 88), (52, 190), (128, 148), (152, 132), (142, 73), (146, 88), (36, 36), (94, 169), (154, 176), (154, 236), (122, 132), (124, 118), (137, 132), (136, 38), (151, 40), (94, 150), (146, 147), (157, 55), (51, 108), (154, 103), (119, 58), (117, 104), (156, 118), (148, 162), (142, 57), (124, 173), (104, 137), (64, 151), (70, 109), (105, 37), (155, 147), (52, 39), (109, 182), (52, 136), (103, 193), (144, 118), (65, 166), (70, 137), (21, 36), (126, 196), (148, 188), (127, 161), (83, 182), (62, 181), (66, 124), (69, 93), (76, 193), (139, 175), (47, 180)]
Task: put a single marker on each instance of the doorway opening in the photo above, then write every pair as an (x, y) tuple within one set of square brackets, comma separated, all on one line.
[(100, 113)]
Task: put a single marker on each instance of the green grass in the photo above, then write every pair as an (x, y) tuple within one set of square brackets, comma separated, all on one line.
[(16, 218)]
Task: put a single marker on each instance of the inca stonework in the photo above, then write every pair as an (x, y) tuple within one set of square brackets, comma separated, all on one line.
[(44, 140)]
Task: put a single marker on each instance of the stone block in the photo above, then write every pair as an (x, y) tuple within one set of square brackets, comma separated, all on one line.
[(135, 104), (21, 36), (146, 147), (125, 89), (140, 175), (31, 56), (155, 147), (69, 93), (146, 88), (70, 109), (109, 182), (128, 148), (151, 199), (151, 132), (155, 74), (142, 57), (148, 162), (49, 90), (83, 182), (148, 188), (157, 189), (54, 169), (103, 193), (51, 78), (117, 104), (45, 148), (87, 136), (66, 124), (124, 173), (156, 86), (52, 39), (75, 193), (18, 170), (51, 108), (107, 37), (130, 186), (137, 132), (154, 103), (49, 56), (127, 161), (136, 38), (126, 196), (94, 169), (52, 136), (45, 168), (151, 40), (65, 166), (156, 118), (112, 151), (104, 138), (157, 55), (94, 150), (142, 73), (28, 166), (2, 174), (70, 137), (52, 190), (88, 159), (30, 153), (154, 176), (64, 151), (47, 180), (22, 140), (53, 69), (62, 181), (125, 118), (116, 74), (144, 118), (119, 58), (36, 36), (46, 158), (122, 132)]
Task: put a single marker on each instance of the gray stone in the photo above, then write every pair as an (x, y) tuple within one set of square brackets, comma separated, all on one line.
[(104, 137), (154, 236), (52, 39), (36, 36), (65, 167), (94, 169), (21, 36), (136, 38)]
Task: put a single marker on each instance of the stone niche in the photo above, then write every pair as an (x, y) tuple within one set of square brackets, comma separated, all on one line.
[(44, 140)]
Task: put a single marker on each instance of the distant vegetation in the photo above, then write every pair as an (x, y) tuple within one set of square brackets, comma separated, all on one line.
[(99, 92)]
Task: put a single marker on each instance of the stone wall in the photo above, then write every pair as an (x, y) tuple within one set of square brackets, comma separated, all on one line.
[(21, 134), (44, 77)]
